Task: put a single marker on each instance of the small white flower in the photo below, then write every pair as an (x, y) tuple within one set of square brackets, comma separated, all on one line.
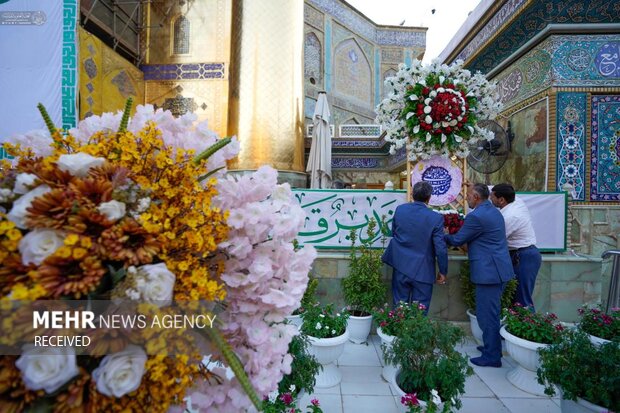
[(78, 164), (333, 331), (427, 101), (39, 244), (428, 137), (433, 94), (322, 315), (444, 138), (436, 398), (427, 109), (440, 90), (292, 388), (112, 210), (318, 326), (5, 194), (120, 373), (24, 182), (413, 97), (410, 115), (416, 129), (47, 368), (428, 119)]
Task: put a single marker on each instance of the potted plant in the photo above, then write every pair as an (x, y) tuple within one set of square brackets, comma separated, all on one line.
[(389, 324), (363, 289), (299, 381), (601, 327), (525, 333), (307, 300), (586, 374), (327, 332), (469, 297), (285, 403), (429, 366)]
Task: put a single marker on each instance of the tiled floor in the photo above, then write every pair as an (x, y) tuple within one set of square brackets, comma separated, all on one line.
[(363, 390)]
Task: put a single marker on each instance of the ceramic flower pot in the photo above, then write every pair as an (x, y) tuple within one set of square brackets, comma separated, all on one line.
[(327, 351), (597, 341), (525, 353), (401, 393), (475, 327), (359, 328), (580, 406), (389, 371), (295, 319)]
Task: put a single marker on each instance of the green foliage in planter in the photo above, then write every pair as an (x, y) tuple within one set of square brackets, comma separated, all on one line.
[(535, 327), (322, 322), (304, 368), (582, 369), (594, 321), (424, 349), (309, 296), (469, 289), (363, 289)]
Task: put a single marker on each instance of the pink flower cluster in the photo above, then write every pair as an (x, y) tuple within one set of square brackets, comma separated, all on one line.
[(265, 279)]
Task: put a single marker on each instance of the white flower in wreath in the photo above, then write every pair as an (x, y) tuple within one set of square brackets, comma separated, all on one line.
[(120, 373), (47, 368), (112, 210)]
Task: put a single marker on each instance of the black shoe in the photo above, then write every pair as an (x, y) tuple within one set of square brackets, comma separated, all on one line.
[(479, 361), (480, 348)]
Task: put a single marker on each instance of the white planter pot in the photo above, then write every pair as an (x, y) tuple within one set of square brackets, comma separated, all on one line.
[(389, 371), (475, 327), (580, 406), (525, 353), (295, 319), (597, 341), (359, 328), (400, 393), (327, 351)]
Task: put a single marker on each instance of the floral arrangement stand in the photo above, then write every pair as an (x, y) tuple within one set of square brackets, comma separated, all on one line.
[(528, 326), (434, 110), (139, 209)]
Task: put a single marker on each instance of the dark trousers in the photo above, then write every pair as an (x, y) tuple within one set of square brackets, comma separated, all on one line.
[(488, 298), (526, 263), (407, 290)]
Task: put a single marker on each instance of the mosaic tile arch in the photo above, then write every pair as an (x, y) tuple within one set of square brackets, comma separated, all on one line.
[(571, 142), (605, 148)]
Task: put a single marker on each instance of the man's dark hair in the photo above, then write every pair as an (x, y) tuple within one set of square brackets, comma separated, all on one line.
[(505, 191), (338, 184), (482, 190), (422, 191)]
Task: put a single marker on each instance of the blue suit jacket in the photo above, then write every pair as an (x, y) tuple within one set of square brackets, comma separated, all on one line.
[(485, 235), (417, 238)]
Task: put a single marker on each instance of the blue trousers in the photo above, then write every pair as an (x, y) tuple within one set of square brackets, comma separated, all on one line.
[(526, 263), (488, 298), (407, 290)]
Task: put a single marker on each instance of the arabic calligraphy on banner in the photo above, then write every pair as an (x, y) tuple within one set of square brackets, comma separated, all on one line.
[(332, 214)]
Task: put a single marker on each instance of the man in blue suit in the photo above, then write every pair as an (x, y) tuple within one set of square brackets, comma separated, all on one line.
[(417, 238), (491, 268)]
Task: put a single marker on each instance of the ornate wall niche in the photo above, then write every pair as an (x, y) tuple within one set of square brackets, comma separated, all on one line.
[(353, 73)]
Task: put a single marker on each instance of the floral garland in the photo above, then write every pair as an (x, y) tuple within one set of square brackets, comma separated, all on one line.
[(434, 109), (126, 209)]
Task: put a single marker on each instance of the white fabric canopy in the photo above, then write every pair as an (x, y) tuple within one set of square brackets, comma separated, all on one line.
[(320, 160)]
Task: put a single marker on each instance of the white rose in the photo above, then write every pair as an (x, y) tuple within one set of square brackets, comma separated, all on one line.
[(120, 373), (157, 284), (39, 244), (113, 210), (23, 183), (78, 164), (47, 368), (17, 214)]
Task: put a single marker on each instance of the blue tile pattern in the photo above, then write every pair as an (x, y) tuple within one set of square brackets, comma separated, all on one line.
[(571, 142), (587, 60), (355, 163), (184, 71), (605, 165)]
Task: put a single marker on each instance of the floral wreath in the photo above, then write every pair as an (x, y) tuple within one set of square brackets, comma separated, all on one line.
[(434, 109)]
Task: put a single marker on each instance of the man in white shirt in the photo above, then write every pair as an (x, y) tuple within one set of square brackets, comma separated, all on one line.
[(526, 258)]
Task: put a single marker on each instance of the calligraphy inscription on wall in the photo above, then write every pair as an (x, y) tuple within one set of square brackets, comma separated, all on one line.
[(332, 214)]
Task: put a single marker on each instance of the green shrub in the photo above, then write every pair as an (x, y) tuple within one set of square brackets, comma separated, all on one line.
[(535, 327), (322, 322), (308, 298), (363, 289), (424, 350), (582, 369), (469, 290), (304, 368)]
